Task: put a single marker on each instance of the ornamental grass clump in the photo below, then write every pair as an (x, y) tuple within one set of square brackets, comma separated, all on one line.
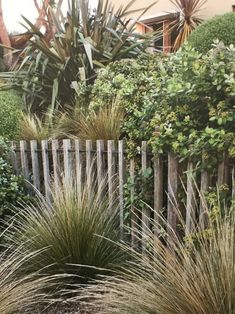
[(189, 276), (20, 292), (73, 227)]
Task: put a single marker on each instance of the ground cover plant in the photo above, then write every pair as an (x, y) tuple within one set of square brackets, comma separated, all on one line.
[(189, 275), (73, 228)]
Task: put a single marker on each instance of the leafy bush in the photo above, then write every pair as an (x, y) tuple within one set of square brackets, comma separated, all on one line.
[(184, 277), (182, 103), (220, 27), (10, 111), (13, 190), (74, 228)]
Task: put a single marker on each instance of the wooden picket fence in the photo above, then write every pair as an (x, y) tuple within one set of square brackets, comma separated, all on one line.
[(41, 162)]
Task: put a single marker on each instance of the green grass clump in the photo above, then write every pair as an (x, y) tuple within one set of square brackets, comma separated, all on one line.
[(20, 292), (187, 277), (73, 228)]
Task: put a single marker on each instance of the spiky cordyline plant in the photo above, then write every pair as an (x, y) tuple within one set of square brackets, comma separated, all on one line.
[(20, 291), (73, 228), (189, 19), (187, 277), (89, 39)]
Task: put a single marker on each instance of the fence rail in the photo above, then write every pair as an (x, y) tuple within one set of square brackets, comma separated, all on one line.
[(41, 162)]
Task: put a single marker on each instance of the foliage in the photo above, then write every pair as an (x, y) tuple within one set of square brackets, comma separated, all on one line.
[(13, 190), (74, 228), (183, 277), (19, 292), (182, 103), (221, 27), (10, 110), (87, 41), (188, 19), (104, 124)]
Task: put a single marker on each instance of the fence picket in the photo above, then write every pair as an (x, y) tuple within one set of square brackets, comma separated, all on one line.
[(14, 159), (191, 199), (134, 214), (46, 169), (145, 220), (172, 205), (35, 164), (100, 161), (223, 170), (158, 190), (78, 165), (89, 161), (121, 168), (24, 159), (111, 172), (55, 161), (67, 160)]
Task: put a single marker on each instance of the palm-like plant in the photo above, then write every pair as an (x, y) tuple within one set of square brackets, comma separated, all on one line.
[(189, 19), (88, 40)]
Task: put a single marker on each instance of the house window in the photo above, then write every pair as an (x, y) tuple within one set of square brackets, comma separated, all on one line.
[(233, 7)]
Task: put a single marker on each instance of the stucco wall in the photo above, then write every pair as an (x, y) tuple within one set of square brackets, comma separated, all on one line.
[(211, 8)]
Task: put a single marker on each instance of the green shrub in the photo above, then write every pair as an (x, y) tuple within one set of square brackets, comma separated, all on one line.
[(74, 228), (10, 111), (220, 27), (13, 190), (182, 103)]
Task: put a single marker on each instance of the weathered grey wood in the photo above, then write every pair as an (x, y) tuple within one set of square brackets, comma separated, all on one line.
[(24, 159), (233, 183), (121, 178), (78, 165), (191, 199), (14, 158), (223, 170), (111, 172), (205, 178), (100, 161), (172, 205), (158, 192), (35, 164), (134, 214), (145, 220), (67, 160), (55, 161), (89, 162), (46, 169)]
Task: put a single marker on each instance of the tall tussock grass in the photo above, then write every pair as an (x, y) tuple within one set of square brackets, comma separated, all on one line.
[(20, 292), (73, 228), (195, 275)]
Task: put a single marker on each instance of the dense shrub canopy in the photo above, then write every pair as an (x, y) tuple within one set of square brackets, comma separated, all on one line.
[(220, 27), (183, 102), (13, 190), (10, 111)]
